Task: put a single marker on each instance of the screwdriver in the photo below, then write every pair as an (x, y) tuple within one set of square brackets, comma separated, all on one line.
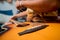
[(33, 29)]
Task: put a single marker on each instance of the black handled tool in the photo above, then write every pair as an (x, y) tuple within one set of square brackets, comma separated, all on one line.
[(33, 29)]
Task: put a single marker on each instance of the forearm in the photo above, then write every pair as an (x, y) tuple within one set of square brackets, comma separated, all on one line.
[(31, 3), (41, 5)]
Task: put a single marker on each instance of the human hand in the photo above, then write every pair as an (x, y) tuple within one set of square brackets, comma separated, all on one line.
[(19, 5)]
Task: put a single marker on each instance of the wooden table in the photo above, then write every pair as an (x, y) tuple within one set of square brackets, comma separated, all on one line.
[(52, 32)]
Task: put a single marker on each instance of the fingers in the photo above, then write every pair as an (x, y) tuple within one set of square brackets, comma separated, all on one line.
[(13, 17), (8, 23), (17, 4)]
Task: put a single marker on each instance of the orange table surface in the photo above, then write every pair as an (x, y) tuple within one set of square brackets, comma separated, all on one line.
[(52, 32)]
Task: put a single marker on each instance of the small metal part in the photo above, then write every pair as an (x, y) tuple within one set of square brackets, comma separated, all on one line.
[(33, 29)]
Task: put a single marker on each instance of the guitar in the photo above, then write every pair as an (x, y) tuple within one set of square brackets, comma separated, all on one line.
[(49, 33)]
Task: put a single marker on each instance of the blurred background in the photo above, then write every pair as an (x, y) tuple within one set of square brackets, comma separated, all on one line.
[(7, 9)]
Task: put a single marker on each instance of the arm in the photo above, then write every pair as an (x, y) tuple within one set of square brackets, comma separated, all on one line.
[(21, 14), (40, 5)]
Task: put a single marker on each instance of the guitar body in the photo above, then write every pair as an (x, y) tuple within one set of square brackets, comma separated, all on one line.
[(52, 32)]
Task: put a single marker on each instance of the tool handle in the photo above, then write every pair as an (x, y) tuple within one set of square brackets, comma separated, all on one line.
[(33, 29)]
